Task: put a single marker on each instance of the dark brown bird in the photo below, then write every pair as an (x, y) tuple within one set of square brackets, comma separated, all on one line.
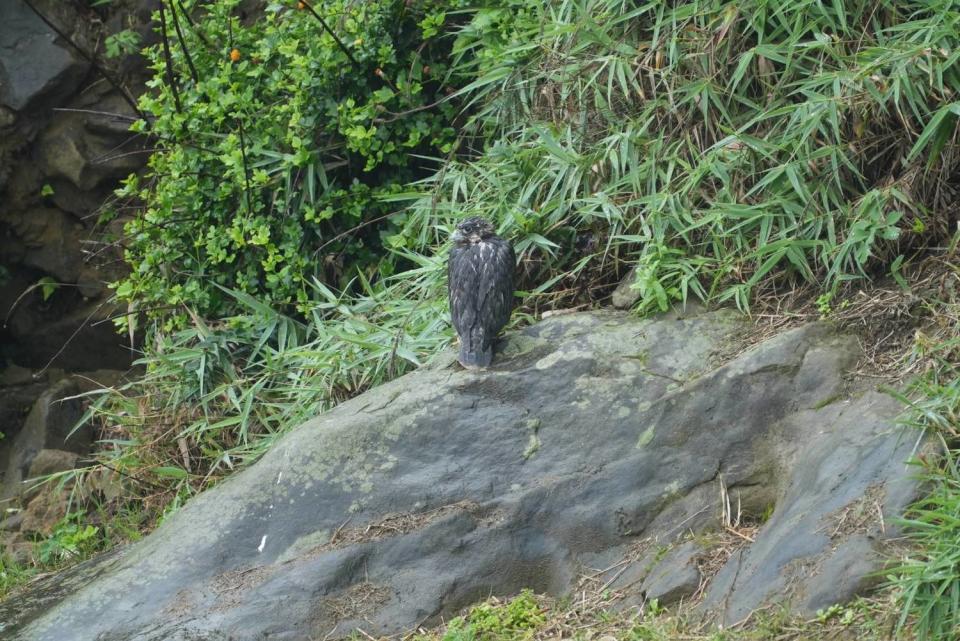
[(480, 285)]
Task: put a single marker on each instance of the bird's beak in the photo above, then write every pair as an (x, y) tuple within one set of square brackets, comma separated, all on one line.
[(457, 237)]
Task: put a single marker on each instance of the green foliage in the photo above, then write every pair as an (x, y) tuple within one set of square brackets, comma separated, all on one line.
[(121, 43), (13, 574), (47, 287), (492, 621), (724, 146), (72, 539), (216, 395), (929, 577), (273, 165)]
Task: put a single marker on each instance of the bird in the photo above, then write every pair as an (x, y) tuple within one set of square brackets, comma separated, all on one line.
[(480, 272)]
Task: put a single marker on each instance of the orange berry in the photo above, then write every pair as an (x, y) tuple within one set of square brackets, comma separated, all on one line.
[(235, 55), (301, 6)]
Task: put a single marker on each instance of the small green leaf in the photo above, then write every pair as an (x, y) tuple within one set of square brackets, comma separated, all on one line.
[(47, 287)]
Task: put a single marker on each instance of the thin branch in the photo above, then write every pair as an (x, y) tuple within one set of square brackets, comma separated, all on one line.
[(246, 169), (110, 319), (168, 60), (111, 114), (351, 230), (326, 27), (183, 42)]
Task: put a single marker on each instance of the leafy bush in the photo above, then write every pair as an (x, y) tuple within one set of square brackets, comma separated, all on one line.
[(276, 141), (72, 539)]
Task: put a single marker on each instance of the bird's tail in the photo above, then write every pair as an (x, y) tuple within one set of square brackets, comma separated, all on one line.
[(475, 352)]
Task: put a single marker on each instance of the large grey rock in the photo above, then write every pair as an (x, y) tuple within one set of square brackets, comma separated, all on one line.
[(592, 433), (33, 62)]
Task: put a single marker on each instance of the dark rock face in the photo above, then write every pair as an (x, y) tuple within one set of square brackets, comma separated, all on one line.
[(44, 436), (57, 168), (592, 435), (34, 64)]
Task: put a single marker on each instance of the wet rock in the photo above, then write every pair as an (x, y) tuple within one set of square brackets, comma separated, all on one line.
[(85, 152), (12, 522), (424, 495), (53, 241), (16, 548), (675, 577), (15, 404), (52, 137), (7, 117), (64, 331), (34, 64), (48, 462), (14, 375)]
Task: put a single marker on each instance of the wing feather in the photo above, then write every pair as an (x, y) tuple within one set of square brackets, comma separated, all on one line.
[(496, 286), (462, 287)]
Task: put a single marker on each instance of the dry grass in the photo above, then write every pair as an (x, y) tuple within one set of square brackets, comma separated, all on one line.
[(857, 517), (887, 318), (392, 525)]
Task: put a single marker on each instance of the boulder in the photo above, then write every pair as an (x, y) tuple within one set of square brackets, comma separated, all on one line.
[(63, 330), (87, 150), (15, 403), (591, 434), (48, 462), (53, 242), (12, 522), (34, 63), (16, 549)]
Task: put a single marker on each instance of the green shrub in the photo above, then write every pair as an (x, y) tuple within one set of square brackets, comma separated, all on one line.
[(271, 167)]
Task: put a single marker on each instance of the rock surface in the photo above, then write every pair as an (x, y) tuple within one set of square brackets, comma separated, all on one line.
[(675, 577), (593, 437), (34, 63), (46, 435)]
